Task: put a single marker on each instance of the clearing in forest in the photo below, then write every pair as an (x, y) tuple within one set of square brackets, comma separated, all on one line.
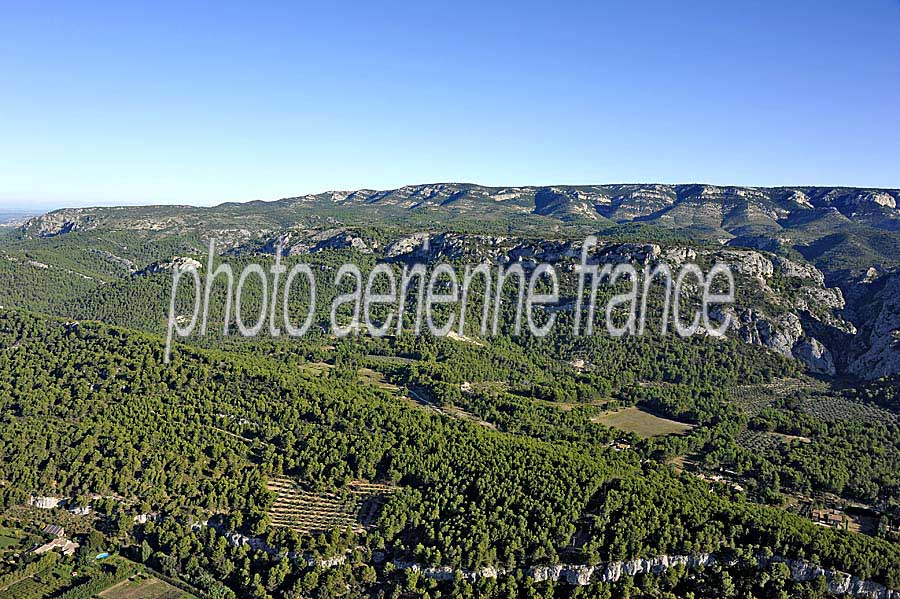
[(641, 423)]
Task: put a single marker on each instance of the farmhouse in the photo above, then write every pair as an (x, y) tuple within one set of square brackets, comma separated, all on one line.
[(63, 544), (829, 517)]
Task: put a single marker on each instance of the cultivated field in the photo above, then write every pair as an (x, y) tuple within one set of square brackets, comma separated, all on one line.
[(143, 587), (45, 583), (755, 398), (307, 512), (643, 424), (835, 408)]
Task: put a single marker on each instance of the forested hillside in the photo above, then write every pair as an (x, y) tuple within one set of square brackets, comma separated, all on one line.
[(763, 464)]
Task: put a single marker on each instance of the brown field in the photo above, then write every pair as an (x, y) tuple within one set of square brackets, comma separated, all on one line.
[(143, 588), (643, 424)]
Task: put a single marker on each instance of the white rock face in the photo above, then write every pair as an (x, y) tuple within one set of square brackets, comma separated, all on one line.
[(879, 198), (783, 334), (882, 333), (815, 355), (176, 263), (829, 297), (789, 268), (448, 573), (294, 242), (838, 583), (678, 256), (406, 245), (45, 503), (752, 264)]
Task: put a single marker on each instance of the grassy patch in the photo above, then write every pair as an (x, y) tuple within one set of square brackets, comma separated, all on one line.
[(373, 377), (7, 542), (643, 424)]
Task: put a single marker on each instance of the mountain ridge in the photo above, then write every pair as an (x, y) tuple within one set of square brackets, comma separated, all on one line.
[(836, 228), (851, 235), (812, 196)]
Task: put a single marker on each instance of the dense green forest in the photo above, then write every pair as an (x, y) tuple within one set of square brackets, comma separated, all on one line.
[(199, 437), (325, 467)]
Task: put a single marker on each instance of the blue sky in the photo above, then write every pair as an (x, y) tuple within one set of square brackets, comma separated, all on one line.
[(203, 103)]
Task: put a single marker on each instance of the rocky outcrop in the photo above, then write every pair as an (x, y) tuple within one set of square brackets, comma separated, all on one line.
[(676, 256), (783, 334), (634, 253), (449, 573), (583, 575), (176, 263), (789, 268), (837, 583), (60, 222), (406, 246), (296, 242), (815, 355), (45, 503), (751, 264), (779, 334), (879, 336)]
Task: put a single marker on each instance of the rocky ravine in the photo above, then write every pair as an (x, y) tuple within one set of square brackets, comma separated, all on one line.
[(877, 345)]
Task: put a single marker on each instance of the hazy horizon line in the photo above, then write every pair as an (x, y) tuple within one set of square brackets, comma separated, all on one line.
[(31, 206)]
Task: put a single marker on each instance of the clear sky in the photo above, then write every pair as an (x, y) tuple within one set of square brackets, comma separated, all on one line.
[(202, 103)]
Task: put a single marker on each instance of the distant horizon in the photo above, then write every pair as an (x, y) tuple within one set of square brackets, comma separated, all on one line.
[(31, 207)]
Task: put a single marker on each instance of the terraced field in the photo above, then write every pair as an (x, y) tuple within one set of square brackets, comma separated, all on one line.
[(307, 512)]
